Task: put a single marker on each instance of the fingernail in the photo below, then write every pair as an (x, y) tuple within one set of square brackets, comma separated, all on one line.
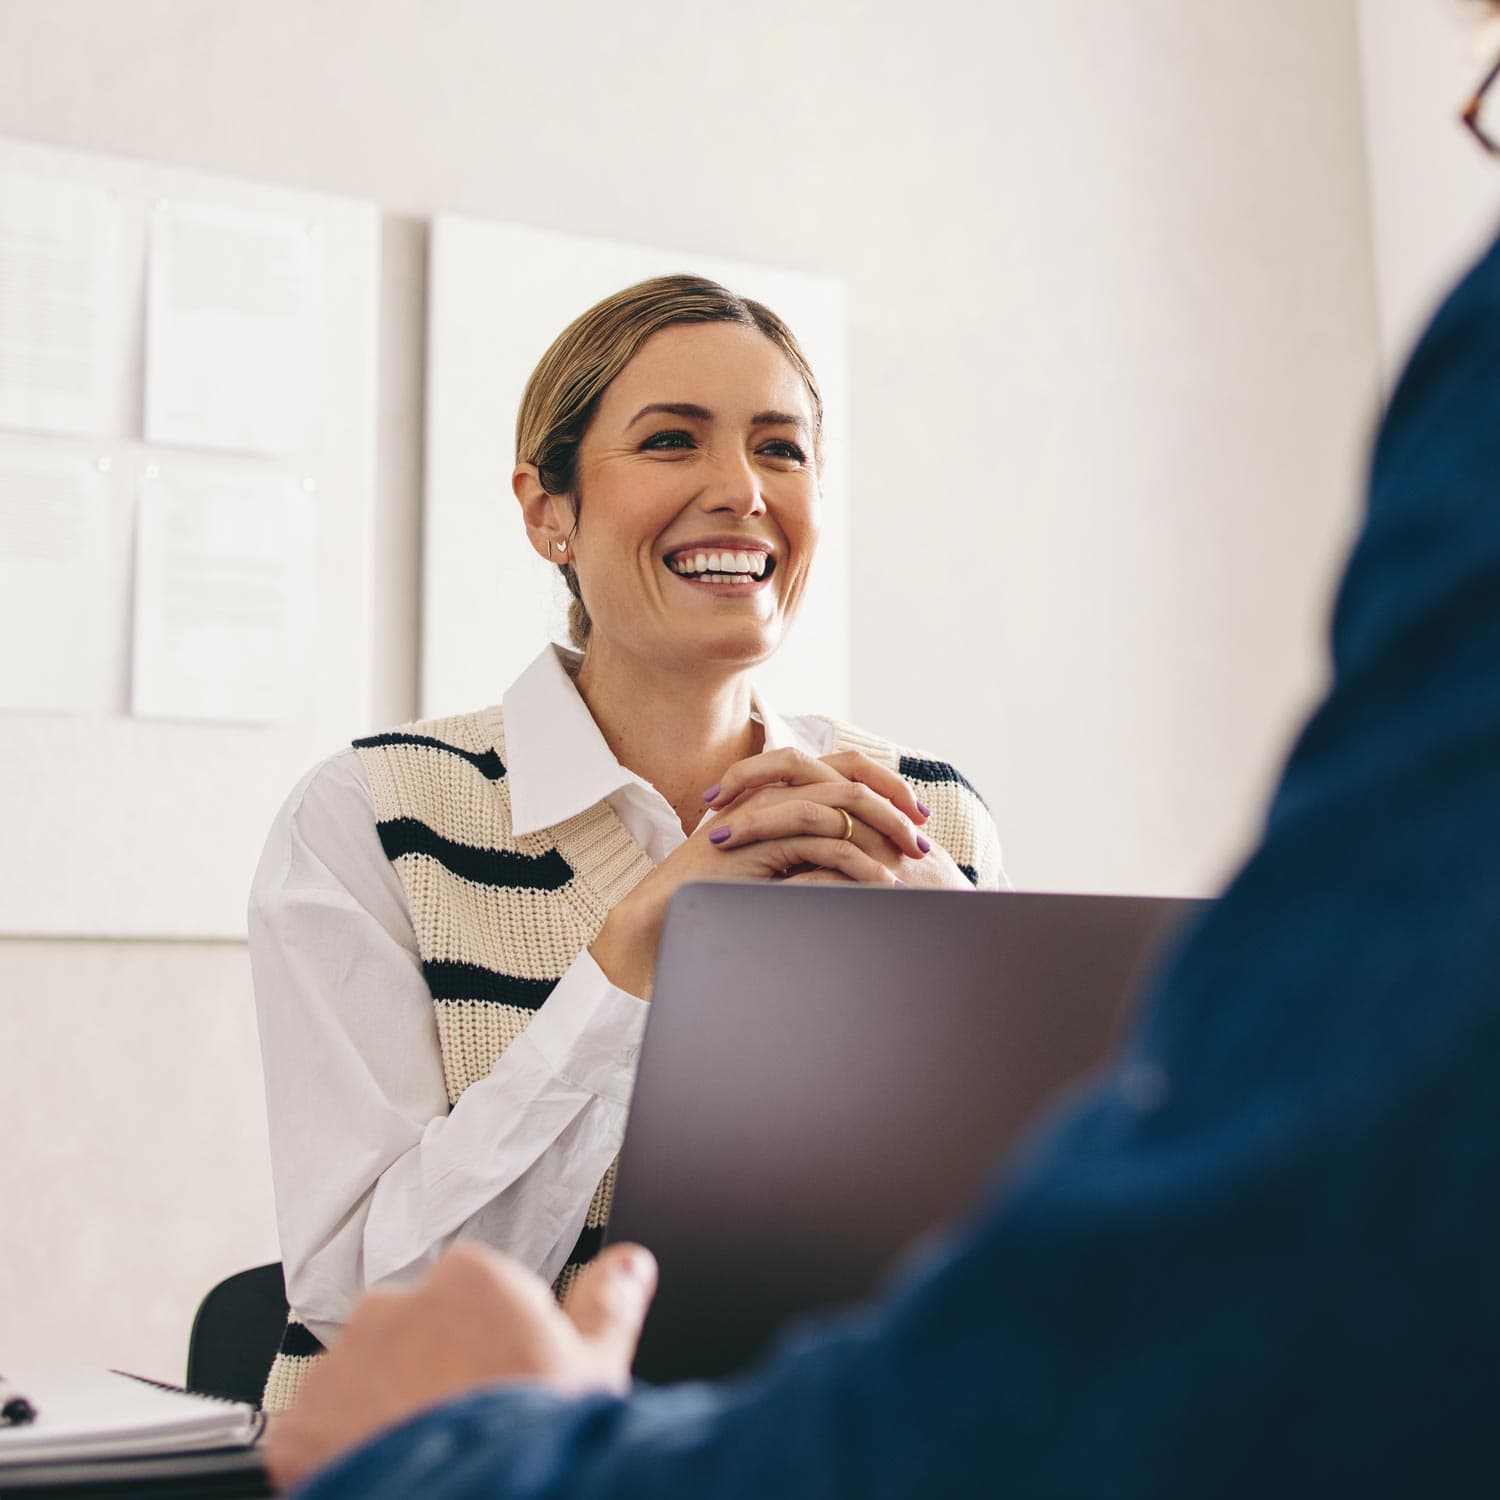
[(719, 834), (711, 793), (639, 1266), (896, 880), (923, 808), (924, 844)]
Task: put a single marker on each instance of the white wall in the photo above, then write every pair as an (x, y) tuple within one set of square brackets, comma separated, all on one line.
[(135, 1170), (1113, 344), (1434, 194), (1145, 352)]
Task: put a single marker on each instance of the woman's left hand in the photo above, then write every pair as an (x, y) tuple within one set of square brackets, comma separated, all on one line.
[(793, 769)]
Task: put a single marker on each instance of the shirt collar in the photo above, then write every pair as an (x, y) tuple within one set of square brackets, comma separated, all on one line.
[(779, 734), (556, 761)]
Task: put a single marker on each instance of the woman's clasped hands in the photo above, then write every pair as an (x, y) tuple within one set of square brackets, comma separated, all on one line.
[(783, 815)]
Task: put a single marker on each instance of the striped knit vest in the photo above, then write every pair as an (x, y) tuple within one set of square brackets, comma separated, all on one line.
[(500, 917)]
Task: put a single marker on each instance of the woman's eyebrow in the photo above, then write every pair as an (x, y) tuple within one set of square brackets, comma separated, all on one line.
[(703, 414), (672, 409)]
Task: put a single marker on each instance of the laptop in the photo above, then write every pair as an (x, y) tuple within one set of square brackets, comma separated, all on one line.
[(830, 1073)]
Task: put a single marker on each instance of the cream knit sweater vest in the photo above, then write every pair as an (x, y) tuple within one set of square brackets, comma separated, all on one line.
[(500, 917)]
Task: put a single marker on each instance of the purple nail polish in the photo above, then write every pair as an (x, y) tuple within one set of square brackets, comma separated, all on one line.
[(896, 880), (718, 835), (923, 808), (711, 793), (924, 844)]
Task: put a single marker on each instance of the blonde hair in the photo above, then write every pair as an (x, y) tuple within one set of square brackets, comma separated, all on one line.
[(564, 390)]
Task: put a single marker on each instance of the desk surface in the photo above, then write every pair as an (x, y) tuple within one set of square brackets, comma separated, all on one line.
[(233, 1472)]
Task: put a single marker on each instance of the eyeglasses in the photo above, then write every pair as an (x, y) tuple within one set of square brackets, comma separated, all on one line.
[(1482, 112)]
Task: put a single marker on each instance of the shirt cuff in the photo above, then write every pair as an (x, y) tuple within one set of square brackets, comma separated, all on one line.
[(588, 1031)]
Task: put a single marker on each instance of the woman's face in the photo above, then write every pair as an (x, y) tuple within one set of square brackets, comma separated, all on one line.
[(698, 513)]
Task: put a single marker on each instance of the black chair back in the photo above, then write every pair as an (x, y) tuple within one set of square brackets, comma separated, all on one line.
[(236, 1335)]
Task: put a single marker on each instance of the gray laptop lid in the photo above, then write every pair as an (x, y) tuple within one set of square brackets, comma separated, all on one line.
[(828, 1073)]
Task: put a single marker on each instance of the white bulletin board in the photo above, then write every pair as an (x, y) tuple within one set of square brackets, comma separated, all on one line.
[(187, 442), (498, 296)]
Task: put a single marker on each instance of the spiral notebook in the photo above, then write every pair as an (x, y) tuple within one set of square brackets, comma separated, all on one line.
[(103, 1432)]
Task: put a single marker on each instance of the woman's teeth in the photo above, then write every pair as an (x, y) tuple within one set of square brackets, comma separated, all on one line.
[(743, 567)]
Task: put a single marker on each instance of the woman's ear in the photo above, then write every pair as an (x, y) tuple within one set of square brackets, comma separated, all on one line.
[(548, 518)]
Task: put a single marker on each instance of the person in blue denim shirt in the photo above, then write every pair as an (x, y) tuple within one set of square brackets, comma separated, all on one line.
[(1262, 1257)]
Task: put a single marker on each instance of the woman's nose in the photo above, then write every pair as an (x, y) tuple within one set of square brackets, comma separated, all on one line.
[(734, 488)]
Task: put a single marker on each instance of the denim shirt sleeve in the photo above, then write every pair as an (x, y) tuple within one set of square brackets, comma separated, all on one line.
[(1258, 1258)]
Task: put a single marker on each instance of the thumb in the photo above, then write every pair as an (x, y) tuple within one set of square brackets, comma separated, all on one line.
[(607, 1305)]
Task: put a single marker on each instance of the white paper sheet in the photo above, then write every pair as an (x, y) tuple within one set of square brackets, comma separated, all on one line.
[(224, 606), (61, 312), (233, 331), (57, 625)]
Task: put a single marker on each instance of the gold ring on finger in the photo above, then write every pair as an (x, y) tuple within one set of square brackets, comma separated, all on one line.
[(848, 825)]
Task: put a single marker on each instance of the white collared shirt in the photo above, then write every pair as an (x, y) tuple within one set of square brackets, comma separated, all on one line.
[(374, 1173)]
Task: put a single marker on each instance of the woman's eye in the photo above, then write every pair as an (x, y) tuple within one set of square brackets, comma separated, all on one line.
[(670, 439), (782, 448)]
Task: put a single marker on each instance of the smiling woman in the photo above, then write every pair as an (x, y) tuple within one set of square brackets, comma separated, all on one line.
[(719, 492), (454, 926)]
